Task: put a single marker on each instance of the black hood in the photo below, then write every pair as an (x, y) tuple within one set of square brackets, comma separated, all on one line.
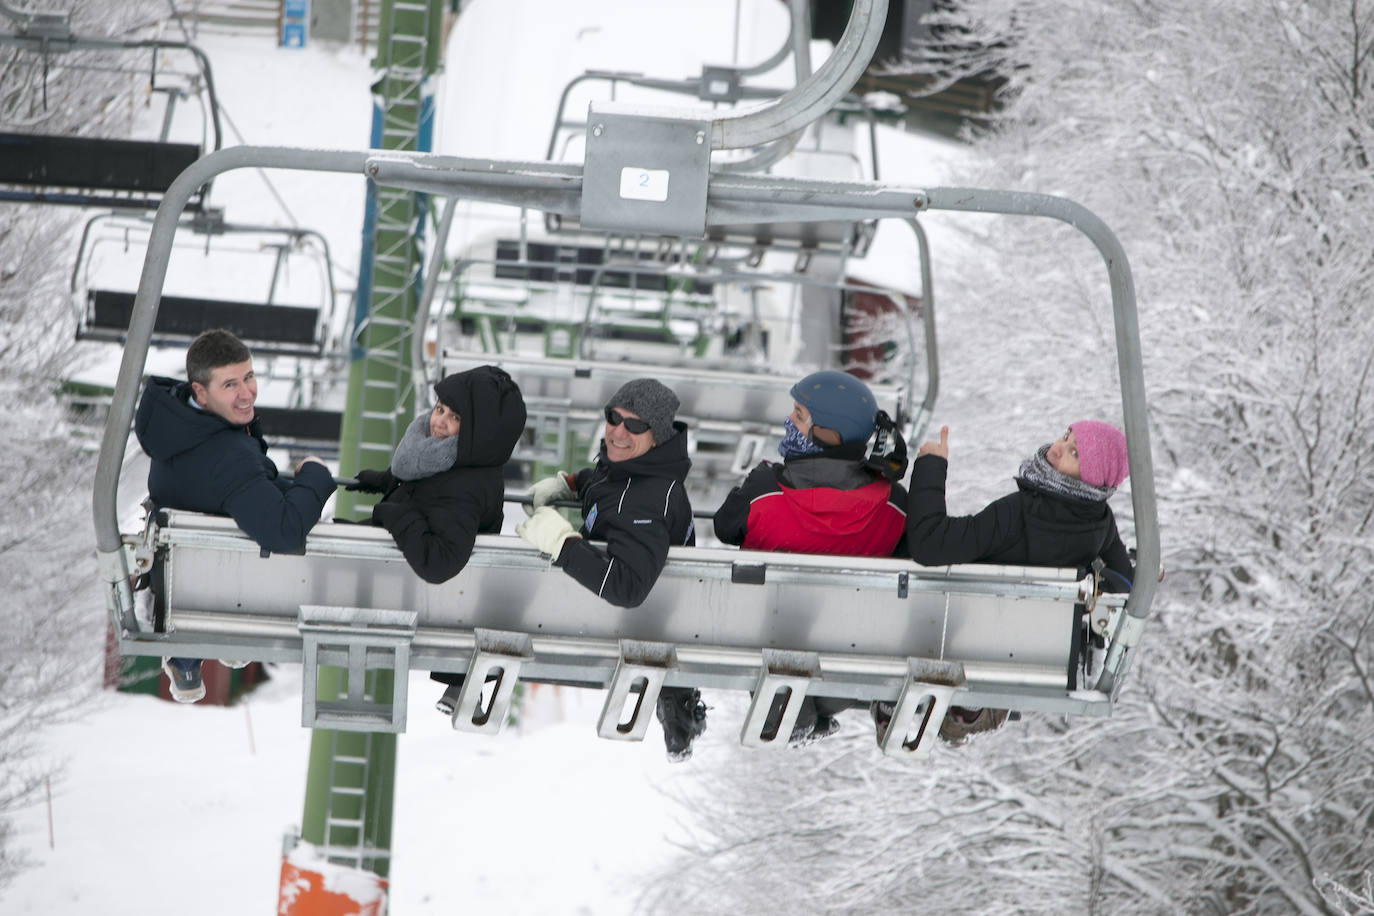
[(492, 413), (666, 460), (167, 425)]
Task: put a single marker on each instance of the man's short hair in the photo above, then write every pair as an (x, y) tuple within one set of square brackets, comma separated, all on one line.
[(210, 350)]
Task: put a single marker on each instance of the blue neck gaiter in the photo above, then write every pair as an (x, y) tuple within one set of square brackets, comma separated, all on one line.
[(794, 444)]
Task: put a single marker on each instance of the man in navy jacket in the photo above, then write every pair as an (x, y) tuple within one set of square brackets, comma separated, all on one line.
[(208, 455)]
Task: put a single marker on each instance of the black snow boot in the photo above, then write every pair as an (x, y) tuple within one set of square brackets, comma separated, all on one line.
[(683, 717)]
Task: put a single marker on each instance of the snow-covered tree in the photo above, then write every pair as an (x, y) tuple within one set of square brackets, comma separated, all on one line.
[(1229, 148), (53, 614)]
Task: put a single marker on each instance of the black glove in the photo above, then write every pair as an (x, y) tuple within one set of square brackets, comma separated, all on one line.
[(373, 482)]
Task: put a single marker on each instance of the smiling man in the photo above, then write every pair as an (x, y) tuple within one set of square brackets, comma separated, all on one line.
[(208, 455), (634, 507)]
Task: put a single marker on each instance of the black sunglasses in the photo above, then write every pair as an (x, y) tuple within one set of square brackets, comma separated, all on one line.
[(635, 426)]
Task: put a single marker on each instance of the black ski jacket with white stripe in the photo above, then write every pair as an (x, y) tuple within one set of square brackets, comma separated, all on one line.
[(639, 508)]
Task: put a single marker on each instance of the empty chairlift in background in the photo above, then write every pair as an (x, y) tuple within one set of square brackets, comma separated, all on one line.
[(124, 173), (295, 316)]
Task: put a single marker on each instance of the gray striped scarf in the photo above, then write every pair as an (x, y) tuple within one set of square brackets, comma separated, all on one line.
[(420, 454), (1038, 472)]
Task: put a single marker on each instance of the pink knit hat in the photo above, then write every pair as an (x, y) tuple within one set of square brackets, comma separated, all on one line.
[(1102, 458)]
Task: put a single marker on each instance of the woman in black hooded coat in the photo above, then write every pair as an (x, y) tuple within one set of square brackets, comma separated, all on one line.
[(445, 484)]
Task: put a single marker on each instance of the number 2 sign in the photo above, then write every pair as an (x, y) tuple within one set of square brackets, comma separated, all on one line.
[(644, 184)]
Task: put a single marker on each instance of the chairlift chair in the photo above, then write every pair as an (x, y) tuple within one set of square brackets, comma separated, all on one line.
[(270, 327), (783, 625), (87, 171)]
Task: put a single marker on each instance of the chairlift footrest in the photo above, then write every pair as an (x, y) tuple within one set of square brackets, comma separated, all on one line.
[(639, 672), (497, 658), (921, 707), (783, 678)]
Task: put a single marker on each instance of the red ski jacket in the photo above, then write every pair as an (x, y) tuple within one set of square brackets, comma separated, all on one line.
[(815, 504)]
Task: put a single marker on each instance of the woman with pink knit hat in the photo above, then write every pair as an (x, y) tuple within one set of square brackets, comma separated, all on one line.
[(1057, 517)]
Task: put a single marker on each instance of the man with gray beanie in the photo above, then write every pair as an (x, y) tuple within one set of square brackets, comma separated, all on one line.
[(635, 506)]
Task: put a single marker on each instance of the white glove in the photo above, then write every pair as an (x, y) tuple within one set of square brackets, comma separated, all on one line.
[(546, 491), (547, 530)]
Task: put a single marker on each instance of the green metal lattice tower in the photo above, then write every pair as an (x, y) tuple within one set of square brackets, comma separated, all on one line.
[(351, 779)]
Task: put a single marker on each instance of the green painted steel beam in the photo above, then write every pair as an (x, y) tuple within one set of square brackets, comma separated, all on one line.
[(350, 781)]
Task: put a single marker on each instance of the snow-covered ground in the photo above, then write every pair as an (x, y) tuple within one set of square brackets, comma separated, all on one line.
[(163, 806)]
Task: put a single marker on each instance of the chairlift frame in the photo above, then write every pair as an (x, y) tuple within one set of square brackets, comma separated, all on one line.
[(725, 199), (558, 188)]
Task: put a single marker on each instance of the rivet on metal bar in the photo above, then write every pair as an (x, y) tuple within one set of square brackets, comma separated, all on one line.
[(638, 679), (484, 700), (783, 681), (920, 708)]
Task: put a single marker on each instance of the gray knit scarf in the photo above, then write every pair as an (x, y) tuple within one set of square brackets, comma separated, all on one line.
[(420, 454), (1038, 472)]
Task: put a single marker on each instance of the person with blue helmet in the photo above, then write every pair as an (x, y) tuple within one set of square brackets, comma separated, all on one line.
[(827, 495), (830, 494)]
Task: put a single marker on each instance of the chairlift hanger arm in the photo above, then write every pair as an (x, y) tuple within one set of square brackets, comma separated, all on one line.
[(794, 109), (776, 150), (811, 99)]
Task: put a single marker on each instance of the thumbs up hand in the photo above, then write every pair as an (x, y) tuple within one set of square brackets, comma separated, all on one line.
[(939, 449)]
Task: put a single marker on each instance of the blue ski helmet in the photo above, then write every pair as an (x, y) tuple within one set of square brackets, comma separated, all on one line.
[(838, 401)]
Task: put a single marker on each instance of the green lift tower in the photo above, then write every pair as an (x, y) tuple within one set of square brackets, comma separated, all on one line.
[(351, 779)]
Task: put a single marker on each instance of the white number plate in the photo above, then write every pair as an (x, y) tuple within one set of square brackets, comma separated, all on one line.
[(644, 184)]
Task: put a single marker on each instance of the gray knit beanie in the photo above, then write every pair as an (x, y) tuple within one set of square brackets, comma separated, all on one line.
[(653, 401)]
